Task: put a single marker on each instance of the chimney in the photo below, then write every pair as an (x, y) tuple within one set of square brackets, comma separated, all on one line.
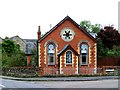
[(39, 33)]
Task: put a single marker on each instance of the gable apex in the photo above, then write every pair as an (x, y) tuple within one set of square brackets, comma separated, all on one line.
[(17, 37), (69, 48), (70, 19)]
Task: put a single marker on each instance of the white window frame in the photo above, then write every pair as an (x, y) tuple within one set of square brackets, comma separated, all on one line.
[(81, 61), (66, 58), (48, 56)]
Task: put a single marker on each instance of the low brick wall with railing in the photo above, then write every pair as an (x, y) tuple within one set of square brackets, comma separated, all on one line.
[(82, 71), (36, 71)]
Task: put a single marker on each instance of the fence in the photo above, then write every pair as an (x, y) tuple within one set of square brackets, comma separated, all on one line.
[(82, 71), (115, 70), (108, 61)]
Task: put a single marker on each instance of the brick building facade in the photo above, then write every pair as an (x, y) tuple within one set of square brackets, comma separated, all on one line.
[(67, 46)]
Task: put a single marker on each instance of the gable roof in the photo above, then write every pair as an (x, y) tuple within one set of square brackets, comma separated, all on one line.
[(67, 18), (18, 37), (66, 48), (30, 40), (30, 44)]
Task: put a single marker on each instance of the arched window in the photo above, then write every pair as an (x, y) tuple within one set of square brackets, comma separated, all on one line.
[(68, 57), (51, 54), (84, 54)]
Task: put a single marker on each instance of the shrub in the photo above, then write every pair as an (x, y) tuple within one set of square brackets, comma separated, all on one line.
[(12, 55), (115, 52), (18, 59)]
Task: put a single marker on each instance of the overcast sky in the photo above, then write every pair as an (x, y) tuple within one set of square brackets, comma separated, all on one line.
[(22, 17)]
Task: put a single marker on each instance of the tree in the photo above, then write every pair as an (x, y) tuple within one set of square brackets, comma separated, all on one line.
[(110, 37), (9, 47), (90, 27), (101, 50), (114, 52), (12, 55)]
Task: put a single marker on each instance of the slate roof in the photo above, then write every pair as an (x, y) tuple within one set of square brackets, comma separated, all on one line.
[(30, 44), (30, 40), (67, 18), (67, 47), (18, 37)]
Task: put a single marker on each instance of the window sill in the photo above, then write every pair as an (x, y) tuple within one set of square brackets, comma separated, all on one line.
[(84, 64), (51, 64), (68, 63)]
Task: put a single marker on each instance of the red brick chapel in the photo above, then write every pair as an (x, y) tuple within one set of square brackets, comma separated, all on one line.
[(67, 49)]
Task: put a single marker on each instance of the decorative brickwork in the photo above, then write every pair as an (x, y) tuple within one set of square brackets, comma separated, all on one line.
[(39, 54), (61, 72), (76, 65), (64, 60), (45, 55), (73, 61), (80, 36), (89, 55), (95, 58), (56, 55)]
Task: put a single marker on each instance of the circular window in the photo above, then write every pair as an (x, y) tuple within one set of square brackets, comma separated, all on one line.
[(67, 34)]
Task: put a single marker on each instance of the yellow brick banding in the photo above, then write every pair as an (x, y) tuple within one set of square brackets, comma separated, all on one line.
[(89, 62), (76, 65), (56, 56), (79, 39), (61, 72), (95, 55), (73, 60), (95, 65), (39, 54), (65, 59), (45, 55)]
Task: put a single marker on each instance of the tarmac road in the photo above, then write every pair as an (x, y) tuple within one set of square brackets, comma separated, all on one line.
[(109, 83)]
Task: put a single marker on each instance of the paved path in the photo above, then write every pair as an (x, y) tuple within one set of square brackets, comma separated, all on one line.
[(62, 78)]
